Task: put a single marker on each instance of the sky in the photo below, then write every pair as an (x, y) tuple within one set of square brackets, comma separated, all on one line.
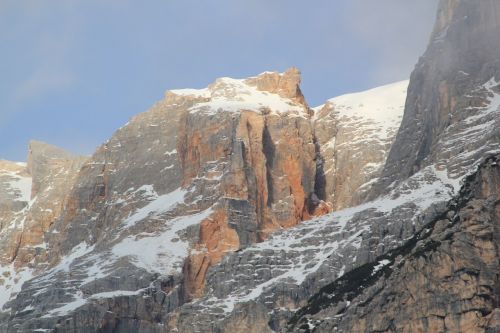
[(72, 72)]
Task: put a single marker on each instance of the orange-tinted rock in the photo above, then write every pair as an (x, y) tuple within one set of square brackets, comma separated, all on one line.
[(52, 172), (216, 239), (322, 208), (268, 167)]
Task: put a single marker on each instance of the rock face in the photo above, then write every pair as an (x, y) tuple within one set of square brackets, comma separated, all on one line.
[(262, 154), (53, 172), (32, 197), (202, 174), (355, 133), (15, 185), (452, 95), (444, 279), (202, 214), (293, 265)]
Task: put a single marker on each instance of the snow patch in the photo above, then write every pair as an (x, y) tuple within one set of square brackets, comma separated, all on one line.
[(381, 264), (12, 282), (117, 293), (159, 204), (67, 308), (383, 106), (20, 186), (162, 252), (234, 95)]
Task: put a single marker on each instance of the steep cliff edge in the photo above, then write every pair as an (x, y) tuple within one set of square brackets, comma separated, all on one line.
[(200, 215), (445, 135), (354, 134), (444, 279), (34, 195), (452, 96), (202, 174)]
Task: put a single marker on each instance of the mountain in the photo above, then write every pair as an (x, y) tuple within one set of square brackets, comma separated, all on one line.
[(31, 196), (451, 113), (355, 133), (238, 208), (202, 174), (444, 278)]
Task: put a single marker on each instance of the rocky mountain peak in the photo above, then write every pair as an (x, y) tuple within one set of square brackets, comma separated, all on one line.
[(454, 86), (265, 93), (480, 16), (40, 151), (212, 211), (43, 159), (286, 85)]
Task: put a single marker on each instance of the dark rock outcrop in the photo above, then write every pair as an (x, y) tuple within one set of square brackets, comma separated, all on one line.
[(189, 218), (444, 279)]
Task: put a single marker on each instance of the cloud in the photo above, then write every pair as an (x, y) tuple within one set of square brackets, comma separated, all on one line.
[(110, 58), (43, 47), (389, 28), (43, 81)]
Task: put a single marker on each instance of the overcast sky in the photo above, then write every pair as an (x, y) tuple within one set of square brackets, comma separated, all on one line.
[(71, 72)]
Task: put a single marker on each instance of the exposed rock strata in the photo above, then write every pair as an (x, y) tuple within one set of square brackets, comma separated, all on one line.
[(452, 83), (157, 233), (354, 134), (295, 264), (36, 192), (202, 174), (444, 279)]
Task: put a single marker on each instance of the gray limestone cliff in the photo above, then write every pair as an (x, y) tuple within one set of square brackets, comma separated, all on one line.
[(139, 225), (450, 89), (211, 212), (444, 279)]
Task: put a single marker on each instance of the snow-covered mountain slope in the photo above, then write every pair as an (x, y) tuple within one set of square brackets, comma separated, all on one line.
[(450, 127), (383, 106), (16, 184), (208, 212), (31, 195), (294, 264), (234, 95), (417, 286), (355, 133), (202, 174)]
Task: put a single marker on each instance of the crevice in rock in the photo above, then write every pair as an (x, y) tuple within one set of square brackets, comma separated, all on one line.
[(320, 178), (355, 282), (18, 246), (188, 150), (269, 150)]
